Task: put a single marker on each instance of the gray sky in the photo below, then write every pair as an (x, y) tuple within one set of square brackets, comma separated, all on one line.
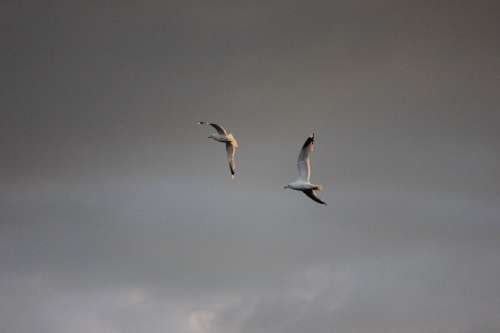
[(111, 216)]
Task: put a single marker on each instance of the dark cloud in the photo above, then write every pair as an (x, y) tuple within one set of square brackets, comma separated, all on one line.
[(117, 214)]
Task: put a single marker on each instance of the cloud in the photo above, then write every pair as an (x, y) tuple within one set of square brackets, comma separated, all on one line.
[(117, 215), (310, 293), (121, 309), (201, 321)]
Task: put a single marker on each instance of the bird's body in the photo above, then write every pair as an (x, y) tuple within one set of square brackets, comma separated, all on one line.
[(225, 137), (299, 185), (302, 183)]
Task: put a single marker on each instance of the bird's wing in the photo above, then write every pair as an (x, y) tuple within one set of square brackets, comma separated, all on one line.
[(304, 162), (221, 130), (231, 150), (312, 194)]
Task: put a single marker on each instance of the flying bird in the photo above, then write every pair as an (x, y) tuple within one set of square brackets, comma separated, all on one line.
[(302, 183), (228, 138)]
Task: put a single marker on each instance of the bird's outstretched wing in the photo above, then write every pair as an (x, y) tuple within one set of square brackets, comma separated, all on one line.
[(304, 161), (221, 130), (312, 194), (231, 150)]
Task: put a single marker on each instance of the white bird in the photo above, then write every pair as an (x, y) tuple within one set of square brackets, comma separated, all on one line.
[(228, 138), (302, 183)]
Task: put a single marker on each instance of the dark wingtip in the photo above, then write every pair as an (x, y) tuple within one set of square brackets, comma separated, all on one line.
[(309, 140), (321, 202)]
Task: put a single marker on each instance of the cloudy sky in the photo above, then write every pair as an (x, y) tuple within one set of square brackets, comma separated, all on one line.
[(118, 215)]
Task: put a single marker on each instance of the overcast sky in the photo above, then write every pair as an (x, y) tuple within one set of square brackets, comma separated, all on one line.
[(117, 214)]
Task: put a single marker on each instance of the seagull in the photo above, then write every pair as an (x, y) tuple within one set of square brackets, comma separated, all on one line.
[(302, 183), (228, 138)]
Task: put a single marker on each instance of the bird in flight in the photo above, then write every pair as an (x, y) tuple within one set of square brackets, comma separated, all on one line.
[(302, 183), (228, 138)]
